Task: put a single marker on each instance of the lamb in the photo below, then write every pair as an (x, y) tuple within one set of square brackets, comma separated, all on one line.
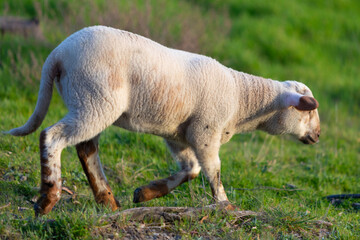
[(109, 77)]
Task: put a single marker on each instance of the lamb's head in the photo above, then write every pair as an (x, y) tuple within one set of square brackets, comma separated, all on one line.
[(297, 114), (301, 118)]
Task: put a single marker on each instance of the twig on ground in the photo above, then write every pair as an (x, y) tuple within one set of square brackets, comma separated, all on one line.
[(342, 196), (66, 189), (5, 206), (323, 223), (268, 188), (23, 208)]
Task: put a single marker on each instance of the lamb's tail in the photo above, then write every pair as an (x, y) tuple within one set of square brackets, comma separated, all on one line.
[(49, 72)]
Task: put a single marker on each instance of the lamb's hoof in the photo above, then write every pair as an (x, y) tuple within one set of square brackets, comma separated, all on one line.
[(138, 195), (153, 190), (44, 204), (107, 198)]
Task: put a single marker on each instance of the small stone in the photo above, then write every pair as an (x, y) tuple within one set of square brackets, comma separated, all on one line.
[(34, 199), (23, 178)]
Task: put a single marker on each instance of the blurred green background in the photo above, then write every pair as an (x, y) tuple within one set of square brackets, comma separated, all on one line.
[(312, 41)]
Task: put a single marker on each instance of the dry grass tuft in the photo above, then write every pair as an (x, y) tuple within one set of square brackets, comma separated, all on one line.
[(28, 73), (186, 30)]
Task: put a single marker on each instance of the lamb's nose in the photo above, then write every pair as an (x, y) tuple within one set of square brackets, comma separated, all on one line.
[(317, 136)]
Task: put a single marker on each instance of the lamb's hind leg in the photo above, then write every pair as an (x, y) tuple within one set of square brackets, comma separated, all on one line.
[(71, 130), (50, 189), (88, 153), (189, 170)]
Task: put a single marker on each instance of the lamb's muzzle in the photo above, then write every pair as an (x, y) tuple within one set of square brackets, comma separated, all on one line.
[(310, 139)]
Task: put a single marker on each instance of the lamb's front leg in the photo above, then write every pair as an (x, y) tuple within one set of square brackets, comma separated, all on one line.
[(205, 141), (210, 165), (208, 155), (190, 168)]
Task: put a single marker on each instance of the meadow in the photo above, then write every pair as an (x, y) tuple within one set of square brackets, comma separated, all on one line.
[(312, 41)]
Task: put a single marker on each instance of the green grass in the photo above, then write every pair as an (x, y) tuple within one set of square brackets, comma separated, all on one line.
[(315, 42)]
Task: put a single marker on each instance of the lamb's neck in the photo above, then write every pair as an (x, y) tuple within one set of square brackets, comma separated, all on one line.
[(258, 100)]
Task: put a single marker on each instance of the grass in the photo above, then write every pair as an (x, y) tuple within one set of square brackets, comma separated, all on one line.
[(315, 42)]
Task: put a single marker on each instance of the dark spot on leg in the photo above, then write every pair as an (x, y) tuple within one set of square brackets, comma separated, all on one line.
[(42, 146), (42, 140), (205, 145), (49, 184), (45, 171)]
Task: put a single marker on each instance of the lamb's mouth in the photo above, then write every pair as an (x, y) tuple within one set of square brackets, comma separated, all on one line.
[(308, 139)]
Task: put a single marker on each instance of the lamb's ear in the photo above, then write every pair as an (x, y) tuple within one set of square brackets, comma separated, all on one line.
[(301, 102)]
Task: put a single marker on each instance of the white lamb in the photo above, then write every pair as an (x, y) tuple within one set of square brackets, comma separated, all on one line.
[(112, 77)]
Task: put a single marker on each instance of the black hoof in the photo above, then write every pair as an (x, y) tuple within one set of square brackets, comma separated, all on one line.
[(138, 196)]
